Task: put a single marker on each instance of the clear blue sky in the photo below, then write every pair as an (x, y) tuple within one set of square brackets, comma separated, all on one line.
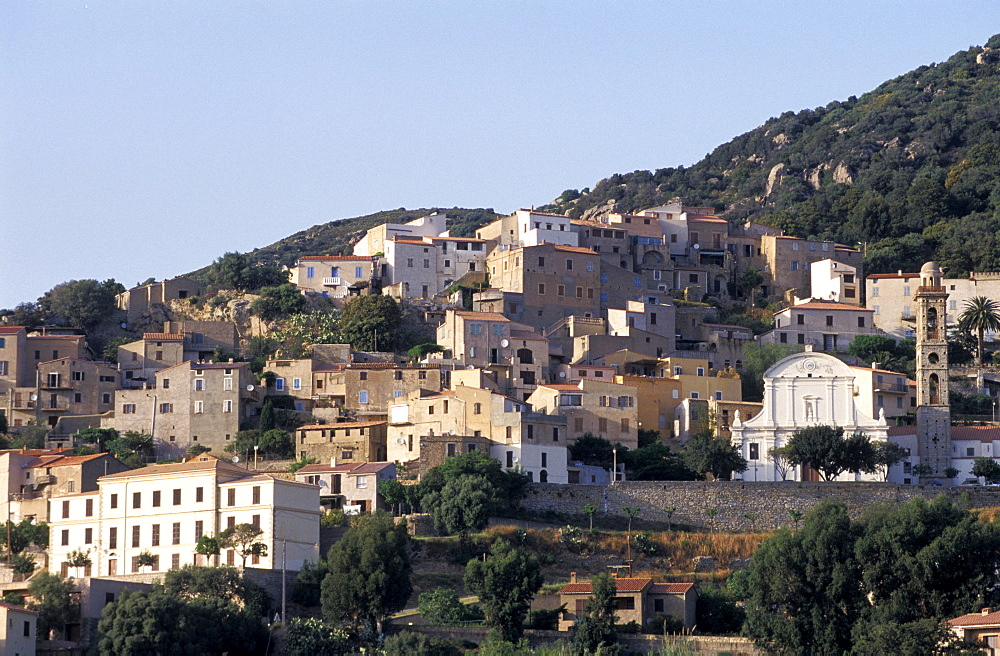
[(145, 138)]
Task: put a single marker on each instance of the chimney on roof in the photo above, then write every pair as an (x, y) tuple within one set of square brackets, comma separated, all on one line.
[(572, 577), (987, 610), (899, 272), (333, 461)]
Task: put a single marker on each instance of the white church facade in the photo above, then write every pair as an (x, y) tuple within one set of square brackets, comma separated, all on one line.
[(801, 390)]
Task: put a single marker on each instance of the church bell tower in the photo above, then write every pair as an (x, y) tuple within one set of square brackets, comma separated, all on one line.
[(933, 412)]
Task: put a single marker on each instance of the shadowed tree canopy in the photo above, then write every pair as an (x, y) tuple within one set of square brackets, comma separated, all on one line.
[(369, 573), (506, 582), (81, 303), (839, 586), (371, 323), (825, 449)]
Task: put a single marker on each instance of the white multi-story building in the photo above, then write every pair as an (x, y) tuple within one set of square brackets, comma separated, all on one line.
[(165, 509)]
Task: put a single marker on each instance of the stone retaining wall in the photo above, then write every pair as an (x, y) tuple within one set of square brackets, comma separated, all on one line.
[(741, 505)]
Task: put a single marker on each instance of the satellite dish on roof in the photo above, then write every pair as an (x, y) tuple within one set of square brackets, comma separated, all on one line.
[(696, 246), (249, 388), (236, 459), (562, 374), (400, 440), (504, 343)]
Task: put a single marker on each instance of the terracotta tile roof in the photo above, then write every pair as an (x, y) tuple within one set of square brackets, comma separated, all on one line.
[(10, 330), (335, 258), (985, 617), (352, 468), (564, 387), (707, 219), (179, 468), (64, 461), (527, 334), (342, 424), (386, 365), (725, 325), (561, 216), (624, 584), (574, 249), (670, 588), (877, 276), (409, 241), (4, 604), (37, 452), (481, 316), (825, 305), (219, 365), (885, 371), (55, 337), (163, 337)]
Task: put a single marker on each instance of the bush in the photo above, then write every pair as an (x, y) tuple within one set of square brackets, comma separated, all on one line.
[(312, 637), (409, 643), (333, 518), (545, 619), (644, 544)]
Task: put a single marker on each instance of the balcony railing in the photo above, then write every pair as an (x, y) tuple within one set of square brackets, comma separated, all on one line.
[(332, 282), (892, 387)]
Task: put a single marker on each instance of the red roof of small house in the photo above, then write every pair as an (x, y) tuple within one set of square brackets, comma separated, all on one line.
[(826, 305), (561, 216), (336, 258), (574, 249), (624, 584), (481, 316), (342, 424), (10, 330), (985, 617), (671, 588), (877, 276), (163, 337), (352, 468), (16, 607)]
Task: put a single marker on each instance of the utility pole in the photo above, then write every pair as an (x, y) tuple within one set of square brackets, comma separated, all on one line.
[(282, 581)]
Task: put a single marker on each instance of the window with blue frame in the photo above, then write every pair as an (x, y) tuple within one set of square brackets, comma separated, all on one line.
[(357, 272), (310, 272)]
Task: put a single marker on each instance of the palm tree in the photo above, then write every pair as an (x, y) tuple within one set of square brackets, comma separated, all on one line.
[(980, 314)]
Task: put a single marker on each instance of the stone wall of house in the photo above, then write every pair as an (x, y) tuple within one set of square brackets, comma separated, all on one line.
[(738, 505)]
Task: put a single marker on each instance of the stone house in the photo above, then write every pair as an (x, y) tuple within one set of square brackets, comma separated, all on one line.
[(424, 430), (51, 475), (545, 283), (21, 397), (890, 296), (373, 243), (981, 627), (347, 441), (349, 486), (887, 392), (637, 599), (165, 509), (518, 356), (824, 325), (139, 301), (202, 338), (18, 630), (605, 409), (138, 361), (71, 386), (190, 403), (835, 281), (333, 276), (366, 390), (788, 261)]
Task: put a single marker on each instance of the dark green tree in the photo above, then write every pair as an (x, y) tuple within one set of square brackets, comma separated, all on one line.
[(208, 546), (887, 454), (312, 637), (595, 628), (506, 582), (267, 419), (748, 283), (194, 582), (393, 492), (988, 468), (237, 271), (706, 454), (441, 606), (825, 449), (504, 487), (156, 622), (369, 572), (55, 601), (366, 319), (758, 358), (81, 303), (24, 534), (306, 590), (461, 506), (594, 450), (280, 301), (244, 540), (110, 350), (980, 314)]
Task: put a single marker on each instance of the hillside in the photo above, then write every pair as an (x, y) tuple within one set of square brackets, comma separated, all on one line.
[(911, 170), (338, 237)]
